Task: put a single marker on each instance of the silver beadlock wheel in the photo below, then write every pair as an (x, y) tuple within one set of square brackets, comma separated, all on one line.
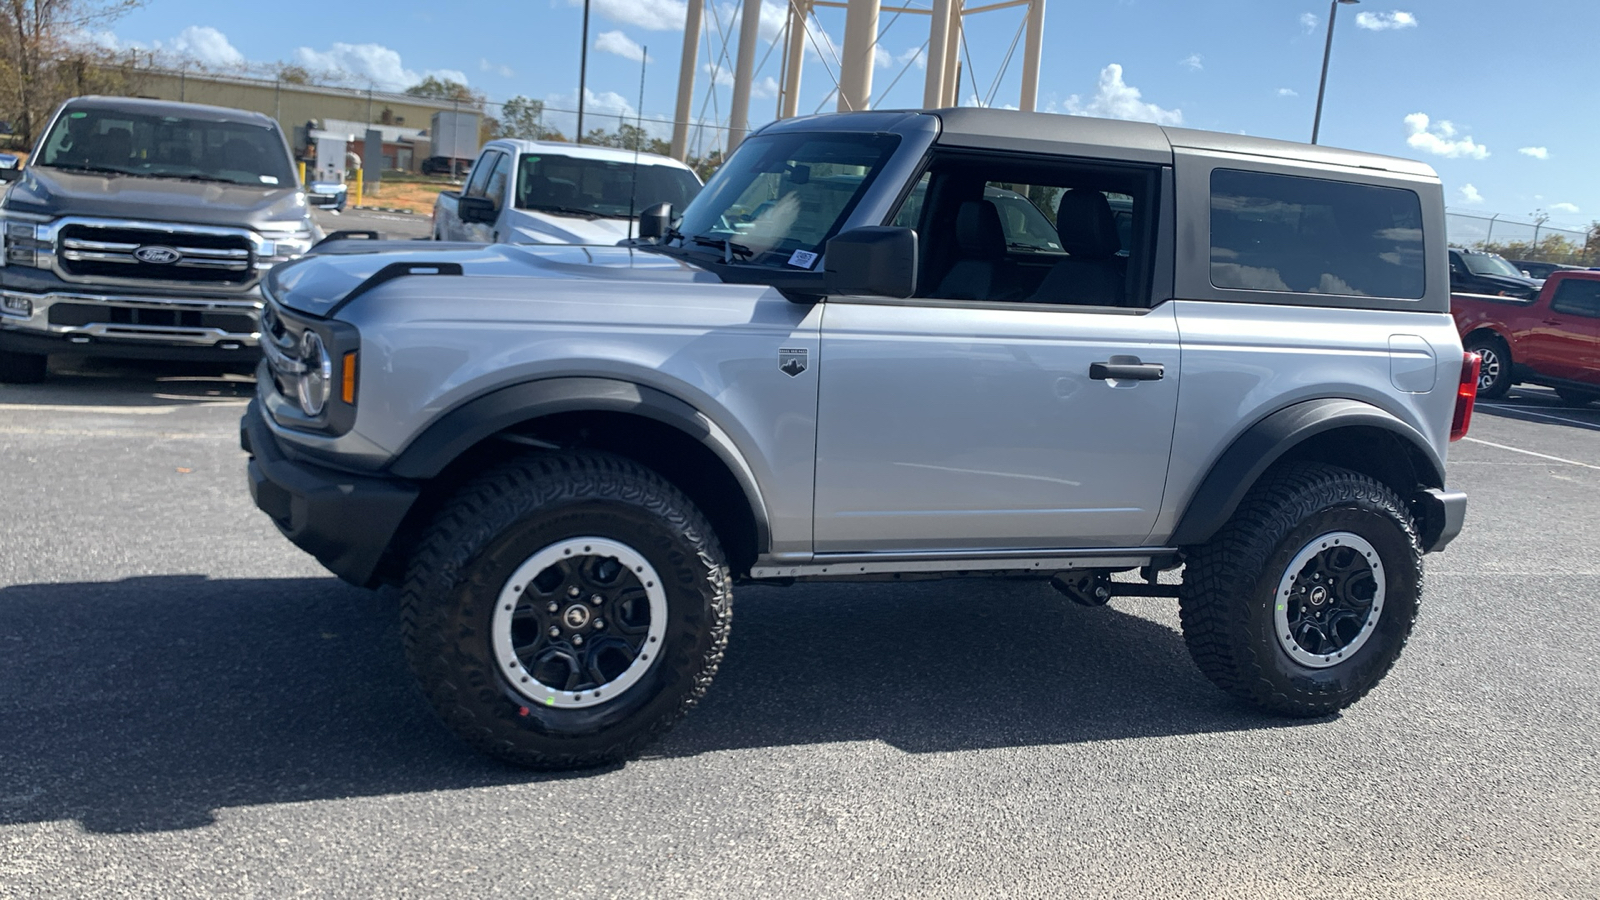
[(1329, 599), (579, 623)]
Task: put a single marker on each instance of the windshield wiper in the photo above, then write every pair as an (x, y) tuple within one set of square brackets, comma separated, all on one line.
[(85, 167), (729, 248), (568, 211)]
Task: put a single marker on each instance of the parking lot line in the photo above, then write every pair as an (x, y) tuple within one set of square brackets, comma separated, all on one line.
[(1528, 412), (94, 410), (1570, 462)]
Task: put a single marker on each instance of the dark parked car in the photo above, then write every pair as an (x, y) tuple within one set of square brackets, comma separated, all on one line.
[(1535, 269), (446, 165), (1478, 272)]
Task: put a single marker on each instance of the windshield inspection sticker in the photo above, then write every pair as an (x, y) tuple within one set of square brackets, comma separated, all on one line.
[(269, 179), (803, 259)]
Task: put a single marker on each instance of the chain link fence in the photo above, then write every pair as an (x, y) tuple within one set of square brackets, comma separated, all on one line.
[(1515, 239)]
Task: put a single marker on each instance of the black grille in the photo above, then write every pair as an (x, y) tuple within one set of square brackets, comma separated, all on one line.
[(80, 314), (218, 259)]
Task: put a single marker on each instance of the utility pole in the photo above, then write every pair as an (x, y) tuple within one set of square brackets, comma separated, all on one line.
[(1327, 50), (583, 69)]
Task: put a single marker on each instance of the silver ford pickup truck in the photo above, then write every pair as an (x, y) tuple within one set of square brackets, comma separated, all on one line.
[(141, 228), (852, 357)]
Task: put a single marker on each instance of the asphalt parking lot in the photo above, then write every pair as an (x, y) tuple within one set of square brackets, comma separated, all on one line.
[(189, 706)]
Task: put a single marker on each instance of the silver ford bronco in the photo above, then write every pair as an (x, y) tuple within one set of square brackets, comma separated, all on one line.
[(883, 346)]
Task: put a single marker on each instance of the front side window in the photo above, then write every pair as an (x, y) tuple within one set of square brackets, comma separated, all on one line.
[(1001, 228), (109, 142), (478, 184), (1314, 236), (599, 188), (783, 193)]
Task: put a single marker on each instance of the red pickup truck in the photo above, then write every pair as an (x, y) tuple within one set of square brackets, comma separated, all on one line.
[(1553, 339)]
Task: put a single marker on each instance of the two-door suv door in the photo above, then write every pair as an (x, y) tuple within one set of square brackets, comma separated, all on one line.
[(1025, 398)]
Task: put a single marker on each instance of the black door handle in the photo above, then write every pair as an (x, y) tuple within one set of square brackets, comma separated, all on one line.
[(1101, 371)]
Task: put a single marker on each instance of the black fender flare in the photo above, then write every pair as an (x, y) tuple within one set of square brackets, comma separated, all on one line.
[(484, 416), (1264, 443)]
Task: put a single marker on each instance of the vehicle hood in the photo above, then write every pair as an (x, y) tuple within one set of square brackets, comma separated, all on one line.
[(56, 193), (315, 284), (532, 227), (1517, 287)]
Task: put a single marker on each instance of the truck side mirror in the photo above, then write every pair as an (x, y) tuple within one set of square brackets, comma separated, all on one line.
[(655, 221), (9, 175), (875, 259), (477, 209)]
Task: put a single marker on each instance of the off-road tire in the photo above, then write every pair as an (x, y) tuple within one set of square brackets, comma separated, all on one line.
[(23, 368), (502, 518), (1572, 397), (1231, 582), (1494, 379)]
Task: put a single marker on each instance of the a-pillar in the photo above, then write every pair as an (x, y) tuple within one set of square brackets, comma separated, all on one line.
[(860, 46), (1032, 49), (691, 57), (743, 71)]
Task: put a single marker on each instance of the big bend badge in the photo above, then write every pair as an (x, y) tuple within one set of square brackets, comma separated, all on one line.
[(792, 362)]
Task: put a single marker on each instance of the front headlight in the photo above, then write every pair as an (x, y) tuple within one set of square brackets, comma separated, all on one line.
[(22, 243), (285, 248), (317, 380)]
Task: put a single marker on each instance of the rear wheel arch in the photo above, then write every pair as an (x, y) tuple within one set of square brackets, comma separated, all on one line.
[(1347, 433), (644, 424)]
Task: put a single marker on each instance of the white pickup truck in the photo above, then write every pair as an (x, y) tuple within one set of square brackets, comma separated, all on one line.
[(544, 192)]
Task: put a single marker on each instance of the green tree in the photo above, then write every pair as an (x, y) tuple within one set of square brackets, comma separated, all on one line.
[(43, 59), (445, 89), (523, 118)]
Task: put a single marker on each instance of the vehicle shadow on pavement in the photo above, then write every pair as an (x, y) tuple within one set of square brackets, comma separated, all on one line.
[(150, 703), (134, 383), (1541, 407)]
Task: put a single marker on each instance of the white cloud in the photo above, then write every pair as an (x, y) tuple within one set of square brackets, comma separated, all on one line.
[(883, 59), (1116, 99), (721, 76), (651, 15), (1567, 208), (1535, 152), (1437, 139), (1192, 62), (504, 71), (1288, 92), (1469, 194), (605, 110), (369, 63), (1308, 23), (207, 45), (619, 44), (765, 89), (197, 43), (1385, 21)]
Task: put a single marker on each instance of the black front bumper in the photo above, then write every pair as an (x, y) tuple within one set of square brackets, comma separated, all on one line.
[(343, 519), (16, 340)]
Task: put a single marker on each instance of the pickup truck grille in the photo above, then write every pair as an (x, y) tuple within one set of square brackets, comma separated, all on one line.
[(79, 314), (89, 251)]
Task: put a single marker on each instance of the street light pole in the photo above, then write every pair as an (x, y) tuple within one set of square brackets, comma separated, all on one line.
[(1327, 50), (583, 71)]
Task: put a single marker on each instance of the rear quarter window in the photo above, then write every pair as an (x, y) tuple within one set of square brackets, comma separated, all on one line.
[(1314, 236)]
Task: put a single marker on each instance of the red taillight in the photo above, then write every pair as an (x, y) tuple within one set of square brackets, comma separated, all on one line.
[(1466, 395)]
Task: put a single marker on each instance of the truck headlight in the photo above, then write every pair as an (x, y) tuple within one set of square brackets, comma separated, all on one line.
[(282, 249), (317, 380), (22, 244)]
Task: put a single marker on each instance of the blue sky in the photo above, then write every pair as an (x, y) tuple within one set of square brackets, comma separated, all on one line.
[(1497, 98)]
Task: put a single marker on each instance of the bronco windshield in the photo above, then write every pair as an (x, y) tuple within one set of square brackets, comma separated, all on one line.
[(115, 142), (784, 193)]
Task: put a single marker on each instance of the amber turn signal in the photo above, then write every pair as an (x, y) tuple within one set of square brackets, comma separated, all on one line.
[(347, 389)]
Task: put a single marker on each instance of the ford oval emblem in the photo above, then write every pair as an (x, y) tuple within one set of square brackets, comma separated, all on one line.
[(160, 256)]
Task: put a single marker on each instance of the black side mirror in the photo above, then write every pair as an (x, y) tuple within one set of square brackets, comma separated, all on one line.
[(656, 221), (477, 209), (10, 175), (876, 259)]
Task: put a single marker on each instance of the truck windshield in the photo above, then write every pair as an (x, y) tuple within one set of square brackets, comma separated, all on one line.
[(599, 188), (785, 192), (123, 143), (1490, 264)]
